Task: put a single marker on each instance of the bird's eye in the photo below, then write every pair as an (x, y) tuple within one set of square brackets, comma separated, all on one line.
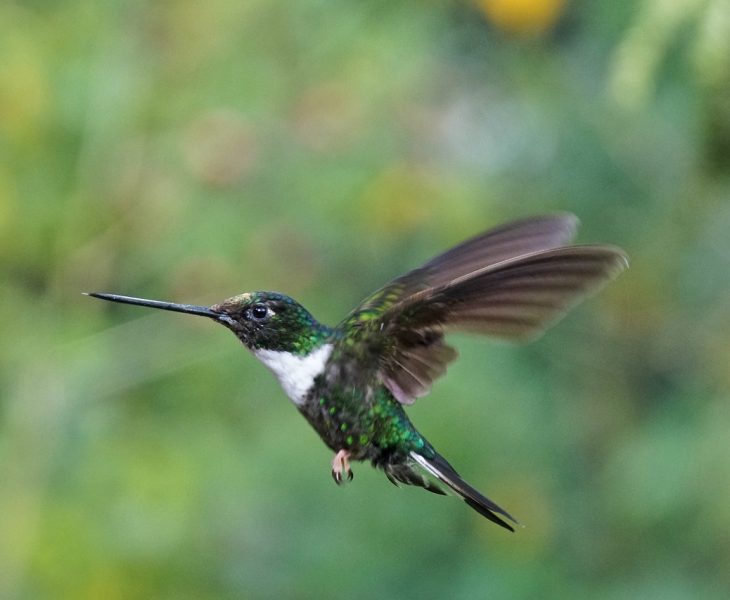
[(259, 311)]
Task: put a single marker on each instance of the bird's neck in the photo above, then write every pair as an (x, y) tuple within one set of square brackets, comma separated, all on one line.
[(295, 372)]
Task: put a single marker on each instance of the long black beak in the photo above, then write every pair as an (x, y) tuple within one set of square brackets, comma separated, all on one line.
[(190, 309)]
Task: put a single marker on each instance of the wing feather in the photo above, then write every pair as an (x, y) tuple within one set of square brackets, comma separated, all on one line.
[(496, 245), (519, 299), (511, 282)]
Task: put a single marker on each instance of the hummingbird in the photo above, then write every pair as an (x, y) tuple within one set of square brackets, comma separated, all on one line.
[(352, 382)]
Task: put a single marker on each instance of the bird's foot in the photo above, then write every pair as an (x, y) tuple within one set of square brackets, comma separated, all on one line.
[(340, 465)]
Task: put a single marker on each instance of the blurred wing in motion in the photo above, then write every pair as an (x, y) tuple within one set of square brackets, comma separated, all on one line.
[(511, 296), (494, 246)]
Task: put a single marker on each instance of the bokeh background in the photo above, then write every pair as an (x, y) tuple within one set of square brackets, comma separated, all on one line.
[(189, 151)]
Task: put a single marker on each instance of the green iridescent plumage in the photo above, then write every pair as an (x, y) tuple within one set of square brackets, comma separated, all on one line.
[(351, 382)]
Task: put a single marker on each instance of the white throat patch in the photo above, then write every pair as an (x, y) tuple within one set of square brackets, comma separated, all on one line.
[(295, 373)]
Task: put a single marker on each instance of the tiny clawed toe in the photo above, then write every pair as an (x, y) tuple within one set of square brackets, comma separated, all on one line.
[(341, 463)]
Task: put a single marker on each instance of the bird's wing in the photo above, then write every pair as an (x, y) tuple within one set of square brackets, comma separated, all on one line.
[(496, 245), (514, 293)]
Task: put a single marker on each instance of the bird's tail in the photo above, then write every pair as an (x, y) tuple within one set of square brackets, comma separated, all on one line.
[(439, 468)]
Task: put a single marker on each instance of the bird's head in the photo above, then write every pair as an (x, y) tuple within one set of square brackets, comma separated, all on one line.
[(270, 321), (261, 320)]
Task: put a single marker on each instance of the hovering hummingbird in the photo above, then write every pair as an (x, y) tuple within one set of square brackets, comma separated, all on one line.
[(352, 381)]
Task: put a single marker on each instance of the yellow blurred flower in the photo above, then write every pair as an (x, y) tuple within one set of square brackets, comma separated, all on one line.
[(522, 16)]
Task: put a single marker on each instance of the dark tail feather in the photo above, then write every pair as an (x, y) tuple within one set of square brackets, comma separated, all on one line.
[(401, 473), (444, 472)]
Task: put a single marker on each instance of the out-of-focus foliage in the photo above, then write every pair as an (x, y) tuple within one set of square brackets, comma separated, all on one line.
[(191, 150)]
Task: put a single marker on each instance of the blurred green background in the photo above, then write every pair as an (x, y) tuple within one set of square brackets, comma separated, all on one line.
[(189, 151)]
